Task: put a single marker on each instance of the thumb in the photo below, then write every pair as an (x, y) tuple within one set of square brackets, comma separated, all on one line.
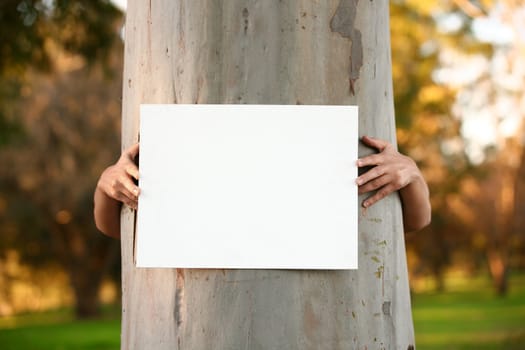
[(133, 150)]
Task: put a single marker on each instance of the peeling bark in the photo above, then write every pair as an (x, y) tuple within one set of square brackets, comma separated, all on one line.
[(343, 22)]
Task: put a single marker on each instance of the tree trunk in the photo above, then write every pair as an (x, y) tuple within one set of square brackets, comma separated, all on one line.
[(267, 52), (87, 268), (518, 219), (498, 268)]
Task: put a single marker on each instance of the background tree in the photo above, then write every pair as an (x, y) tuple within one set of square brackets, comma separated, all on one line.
[(32, 28), (425, 130), (518, 219), (456, 84), (65, 59), (489, 105)]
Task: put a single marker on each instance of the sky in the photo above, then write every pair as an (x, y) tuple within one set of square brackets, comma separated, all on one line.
[(121, 4)]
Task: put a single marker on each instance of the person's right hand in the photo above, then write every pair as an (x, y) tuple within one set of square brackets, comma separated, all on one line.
[(117, 180)]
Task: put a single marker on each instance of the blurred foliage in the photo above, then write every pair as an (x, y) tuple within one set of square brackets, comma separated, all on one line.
[(60, 118), (424, 124), (60, 86), (47, 184), (30, 32), (85, 28), (475, 205)]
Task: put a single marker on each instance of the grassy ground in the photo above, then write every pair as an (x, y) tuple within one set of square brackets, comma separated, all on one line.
[(470, 316), (57, 330), (467, 316)]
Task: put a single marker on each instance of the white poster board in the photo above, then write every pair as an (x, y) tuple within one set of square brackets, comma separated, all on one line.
[(247, 186)]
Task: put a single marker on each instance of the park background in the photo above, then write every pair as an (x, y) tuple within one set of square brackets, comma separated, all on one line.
[(458, 76)]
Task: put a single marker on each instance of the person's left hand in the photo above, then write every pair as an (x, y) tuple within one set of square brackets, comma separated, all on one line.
[(391, 171)]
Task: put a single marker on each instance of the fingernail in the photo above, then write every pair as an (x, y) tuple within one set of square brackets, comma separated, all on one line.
[(358, 181), (365, 204), (358, 162)]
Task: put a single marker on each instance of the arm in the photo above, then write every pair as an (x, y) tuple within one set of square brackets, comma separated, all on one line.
[(115, 187), (391, 172)]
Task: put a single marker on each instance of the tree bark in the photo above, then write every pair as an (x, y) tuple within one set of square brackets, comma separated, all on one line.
[(267, 52)]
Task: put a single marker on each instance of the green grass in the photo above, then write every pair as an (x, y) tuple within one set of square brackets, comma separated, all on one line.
[(57, 330), (99, 335), (467, 316), (470, 316)]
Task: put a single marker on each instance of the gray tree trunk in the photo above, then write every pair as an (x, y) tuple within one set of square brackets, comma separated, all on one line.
[(267, 52)]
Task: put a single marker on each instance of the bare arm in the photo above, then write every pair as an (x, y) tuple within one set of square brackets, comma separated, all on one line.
[(391, 172), (115, 187)]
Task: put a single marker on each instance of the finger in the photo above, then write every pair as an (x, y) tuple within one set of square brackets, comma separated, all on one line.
[(120, 189), (133, 150), (129, 186), (129, 154), (374, 184), (132, 170), (126, 200), (374, 159), (375, 143), (120, 186), (133, 204), (127, 197), (382, 193), (371, 174)]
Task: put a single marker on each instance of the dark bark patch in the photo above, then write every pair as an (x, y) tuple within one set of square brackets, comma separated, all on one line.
[(245, 14), (386, 308), (179, 297), (343, 22)]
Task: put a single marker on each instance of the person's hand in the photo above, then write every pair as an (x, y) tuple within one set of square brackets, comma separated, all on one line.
[(117, 181), (391, 171)]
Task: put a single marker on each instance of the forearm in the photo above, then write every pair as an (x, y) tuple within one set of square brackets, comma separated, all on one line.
[(107, 213), (416, 204)]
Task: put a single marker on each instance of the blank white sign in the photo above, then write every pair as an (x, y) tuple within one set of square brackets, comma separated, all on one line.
[(247, 186)]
